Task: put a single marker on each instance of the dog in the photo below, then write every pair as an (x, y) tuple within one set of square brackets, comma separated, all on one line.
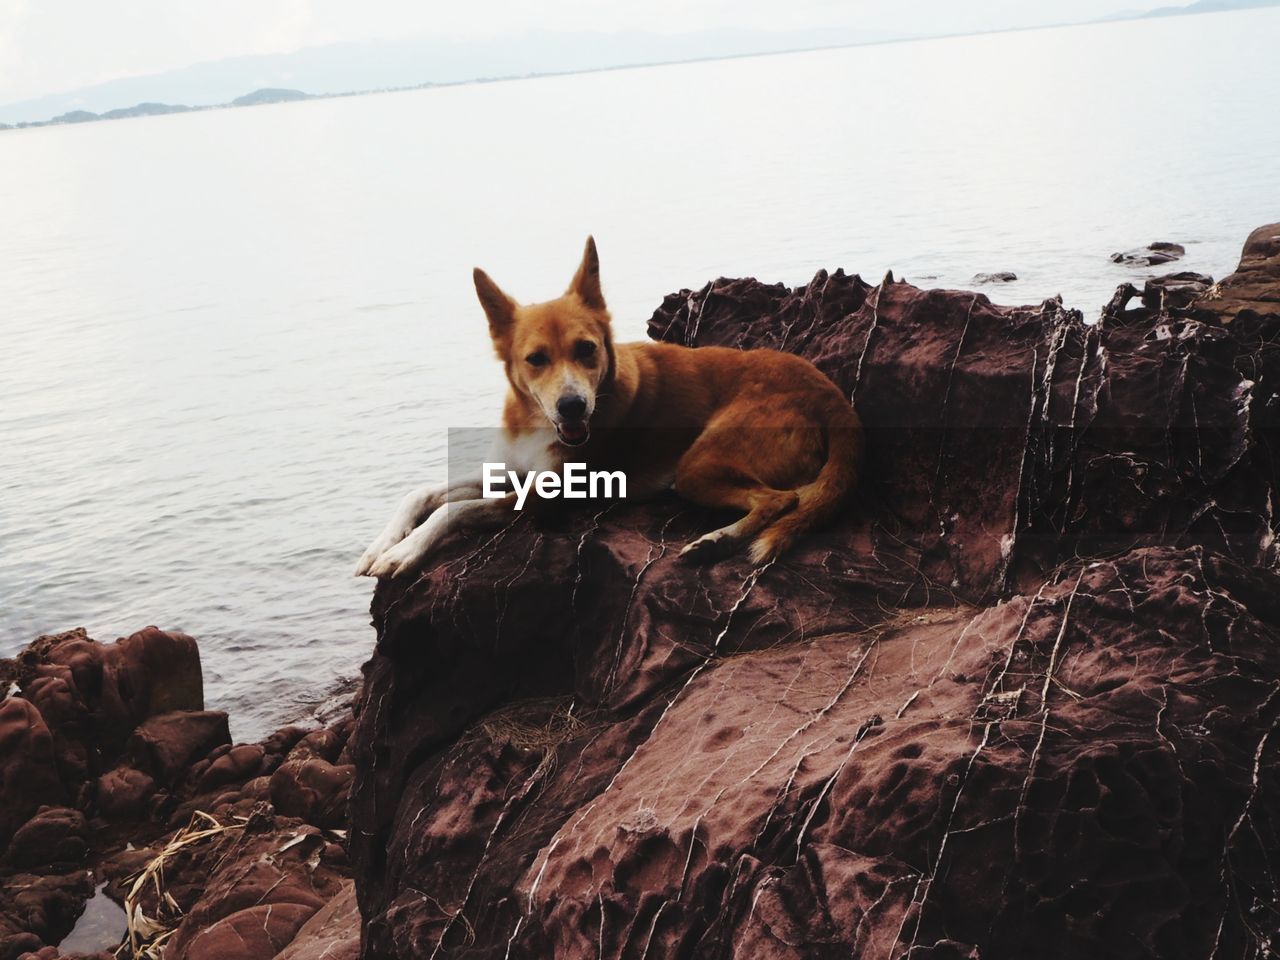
[(759, 432)]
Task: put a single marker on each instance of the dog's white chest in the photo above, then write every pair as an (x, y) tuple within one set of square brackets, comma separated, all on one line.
[(530, 451)]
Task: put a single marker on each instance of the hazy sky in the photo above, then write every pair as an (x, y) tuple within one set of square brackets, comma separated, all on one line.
[(52, 46)]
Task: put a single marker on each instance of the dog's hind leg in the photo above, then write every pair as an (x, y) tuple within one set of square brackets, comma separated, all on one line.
[(415, 508), (453, 517), (719, 485)]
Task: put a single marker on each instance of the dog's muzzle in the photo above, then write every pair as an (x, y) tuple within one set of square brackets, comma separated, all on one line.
[(572, 411), (573, 434)]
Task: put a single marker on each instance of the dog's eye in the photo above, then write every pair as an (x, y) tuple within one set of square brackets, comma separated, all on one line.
[(537, 359), (584, 349)]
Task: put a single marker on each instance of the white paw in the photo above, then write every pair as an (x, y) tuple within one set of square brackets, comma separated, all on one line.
[(386, 540), (394, 562), (366, 562), (408, 554)]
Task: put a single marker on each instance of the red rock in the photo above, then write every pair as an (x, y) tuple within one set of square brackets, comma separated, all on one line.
[(283, 740), (1253, 289), (165, 746), (122, 684), (63, 710), (37, 910), (258, 933), (18, 944), (324, 743), (239, 764), (125, 793), (243, 890), (53, 835), (28, 772), (270, 861), (332, 933), (92, 695), (312, 790), (1020, 701)]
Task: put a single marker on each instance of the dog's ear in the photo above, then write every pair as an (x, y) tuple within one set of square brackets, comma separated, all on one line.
[(586, 282), (498, 307)]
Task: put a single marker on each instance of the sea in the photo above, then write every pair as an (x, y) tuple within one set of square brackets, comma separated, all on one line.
[(230, 340)]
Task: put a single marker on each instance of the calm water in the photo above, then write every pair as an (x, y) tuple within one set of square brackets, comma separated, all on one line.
[(232, 339)]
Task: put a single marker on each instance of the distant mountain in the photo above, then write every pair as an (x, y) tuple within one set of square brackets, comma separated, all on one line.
[(1210, 6), (143, 110), (345, 68), (256, 98), (84, 116), (1201, 6), (269, 95), (75, 116), (382, 65)]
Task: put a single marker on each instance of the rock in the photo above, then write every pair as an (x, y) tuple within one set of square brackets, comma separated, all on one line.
[(125, 793), (238, 765), (1020, 699), (62, 708), (279, 744), (166, 745), (1254, 289), (28, 772), (1175, 290), (332, 933), (54, 835), (92, 695), (259, 788), (18, 945), (225, 886), (1001, 277), (237, 879), (36, 910), (313, 790), (1151, 255), (258, 933), (77, 704), (120, 868), (325, 743)]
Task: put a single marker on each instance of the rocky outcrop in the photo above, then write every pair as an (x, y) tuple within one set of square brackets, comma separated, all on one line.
[(1153, 254), (1252, 290), (1021, 699), (111, 772)]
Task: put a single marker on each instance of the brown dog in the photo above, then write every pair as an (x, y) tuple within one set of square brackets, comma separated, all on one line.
[(756, 431)]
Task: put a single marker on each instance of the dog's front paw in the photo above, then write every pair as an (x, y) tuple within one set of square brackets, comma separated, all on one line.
[(404, 557), (386, 540), (365, 567)]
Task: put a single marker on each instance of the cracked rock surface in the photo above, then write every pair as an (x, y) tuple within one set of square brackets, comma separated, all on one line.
[(1020, 701)]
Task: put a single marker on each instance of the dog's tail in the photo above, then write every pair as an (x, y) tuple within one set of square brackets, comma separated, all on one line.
[(821, 499)]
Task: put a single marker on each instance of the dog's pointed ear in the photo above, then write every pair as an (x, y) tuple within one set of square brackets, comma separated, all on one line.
[(586, 282), (498, 307)]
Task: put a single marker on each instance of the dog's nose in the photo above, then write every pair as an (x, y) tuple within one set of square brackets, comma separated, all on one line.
[(571, 407)]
